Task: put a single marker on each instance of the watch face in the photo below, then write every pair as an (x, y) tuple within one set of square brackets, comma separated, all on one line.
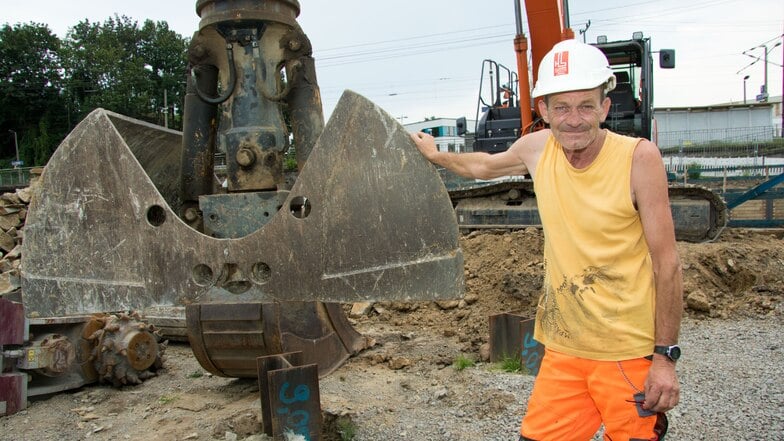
[(675, 352)]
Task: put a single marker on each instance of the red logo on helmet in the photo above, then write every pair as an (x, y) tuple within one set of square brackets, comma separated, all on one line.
[(561, 63)]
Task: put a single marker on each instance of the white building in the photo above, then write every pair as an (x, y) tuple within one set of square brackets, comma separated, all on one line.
[(730, 122), (444, 130)]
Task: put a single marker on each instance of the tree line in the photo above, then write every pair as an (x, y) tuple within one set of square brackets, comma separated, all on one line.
[(48, 84)]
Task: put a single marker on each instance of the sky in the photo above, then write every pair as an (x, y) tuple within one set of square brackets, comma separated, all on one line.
[(419, 59)]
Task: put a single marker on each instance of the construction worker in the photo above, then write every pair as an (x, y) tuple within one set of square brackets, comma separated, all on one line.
[(610, 309)]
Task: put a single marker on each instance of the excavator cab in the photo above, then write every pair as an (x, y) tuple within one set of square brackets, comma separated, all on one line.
[(497, 109), (631, 112)]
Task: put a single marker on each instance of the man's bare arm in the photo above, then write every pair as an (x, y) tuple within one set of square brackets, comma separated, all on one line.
[(480, 165), (650, 193)]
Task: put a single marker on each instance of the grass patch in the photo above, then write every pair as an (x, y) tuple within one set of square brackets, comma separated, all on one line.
[(346, 429), (509, 364), (462, 362), (166, 399), (196, 374)]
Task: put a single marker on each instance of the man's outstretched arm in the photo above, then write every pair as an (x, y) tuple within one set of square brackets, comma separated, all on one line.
[(481, 165)]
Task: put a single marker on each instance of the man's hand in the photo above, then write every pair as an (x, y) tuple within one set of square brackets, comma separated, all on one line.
[(426, 144), (662, 391)]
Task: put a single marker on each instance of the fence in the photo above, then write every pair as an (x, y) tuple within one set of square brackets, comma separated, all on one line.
[(14, 177), (746, 151), (705, 168), (738, 141)]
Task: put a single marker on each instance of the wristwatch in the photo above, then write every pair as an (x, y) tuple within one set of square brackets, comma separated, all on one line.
[(672, 352)]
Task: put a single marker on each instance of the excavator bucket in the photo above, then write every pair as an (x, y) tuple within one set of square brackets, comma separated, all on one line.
[(367, 219)]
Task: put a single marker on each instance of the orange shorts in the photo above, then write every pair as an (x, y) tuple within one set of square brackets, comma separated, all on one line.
[(573, 396)]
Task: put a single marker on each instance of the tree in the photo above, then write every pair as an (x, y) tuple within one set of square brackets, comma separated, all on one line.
[(30, 100), (121, 67)]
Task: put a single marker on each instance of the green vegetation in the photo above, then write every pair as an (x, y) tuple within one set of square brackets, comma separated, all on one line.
[(509, 364), (48, 84), (462, 362), (166, 399), (196, 374), (346, 428), (694, 170), (290, 161)]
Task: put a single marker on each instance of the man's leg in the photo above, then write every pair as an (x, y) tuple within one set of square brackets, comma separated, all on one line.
[(560, 407), (617, 387)]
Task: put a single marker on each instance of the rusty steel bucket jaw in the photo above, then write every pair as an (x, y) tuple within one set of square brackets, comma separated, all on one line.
[(367, 219)]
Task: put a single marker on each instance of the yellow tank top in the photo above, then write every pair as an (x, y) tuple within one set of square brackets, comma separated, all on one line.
[(599, 294)]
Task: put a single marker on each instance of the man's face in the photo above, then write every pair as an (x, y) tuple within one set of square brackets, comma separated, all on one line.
[(574, 117)]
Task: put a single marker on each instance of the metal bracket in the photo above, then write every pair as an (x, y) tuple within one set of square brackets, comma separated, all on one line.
[(512, 335), (290, 400)]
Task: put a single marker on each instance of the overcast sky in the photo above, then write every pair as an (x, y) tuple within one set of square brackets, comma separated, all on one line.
[(423, 58)]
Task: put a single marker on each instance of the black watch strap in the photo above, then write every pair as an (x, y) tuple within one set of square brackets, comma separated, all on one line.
[(673, 352)]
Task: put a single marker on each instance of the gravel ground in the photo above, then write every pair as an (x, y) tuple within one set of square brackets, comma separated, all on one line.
[(731, 382), (730, 374)]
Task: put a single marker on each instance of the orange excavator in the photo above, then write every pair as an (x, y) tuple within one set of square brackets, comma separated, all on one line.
[(505, 111)]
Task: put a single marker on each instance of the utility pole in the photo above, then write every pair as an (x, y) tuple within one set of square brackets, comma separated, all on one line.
[(744, 89), (165, 108), (585, 30), (763, 95), (16, 147)]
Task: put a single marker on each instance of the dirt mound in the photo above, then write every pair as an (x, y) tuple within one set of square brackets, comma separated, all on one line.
[(740, 275)]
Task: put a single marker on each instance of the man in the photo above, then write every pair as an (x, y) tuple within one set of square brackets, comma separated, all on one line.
[(609, 314)]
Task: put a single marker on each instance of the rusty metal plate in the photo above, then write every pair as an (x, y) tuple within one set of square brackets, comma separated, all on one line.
[(12, 323), (512, 336), (368, 219)]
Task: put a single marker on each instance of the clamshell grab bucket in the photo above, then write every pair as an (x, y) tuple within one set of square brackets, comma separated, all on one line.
[(368, 218)]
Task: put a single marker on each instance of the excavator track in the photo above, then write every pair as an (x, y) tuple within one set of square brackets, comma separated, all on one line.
[(699, 214)]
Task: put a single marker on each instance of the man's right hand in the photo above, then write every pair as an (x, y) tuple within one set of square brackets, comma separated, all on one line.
[(426, 144)]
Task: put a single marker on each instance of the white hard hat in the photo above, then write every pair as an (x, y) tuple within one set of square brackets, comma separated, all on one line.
[(573, 65)]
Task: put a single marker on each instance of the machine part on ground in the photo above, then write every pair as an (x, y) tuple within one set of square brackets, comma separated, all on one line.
[(40, 356), (124, 350), (366, 219), (290, 396), (512, 336)]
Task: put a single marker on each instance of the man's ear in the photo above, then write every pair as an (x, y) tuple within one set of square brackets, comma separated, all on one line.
[(543, 110), (606, 103)]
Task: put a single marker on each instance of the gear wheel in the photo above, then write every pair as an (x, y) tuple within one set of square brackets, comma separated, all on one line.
[(124, 350)]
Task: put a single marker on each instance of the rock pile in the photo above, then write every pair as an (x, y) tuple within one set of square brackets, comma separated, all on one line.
[(13, 211)]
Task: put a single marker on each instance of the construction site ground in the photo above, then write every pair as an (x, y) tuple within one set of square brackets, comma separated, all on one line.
[(407, 387)]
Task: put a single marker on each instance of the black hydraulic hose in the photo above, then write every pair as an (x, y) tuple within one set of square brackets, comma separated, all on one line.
[(232, 81)]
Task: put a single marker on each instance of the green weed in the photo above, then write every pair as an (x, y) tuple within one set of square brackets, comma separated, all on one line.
[(462, 362), (346, 428)]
